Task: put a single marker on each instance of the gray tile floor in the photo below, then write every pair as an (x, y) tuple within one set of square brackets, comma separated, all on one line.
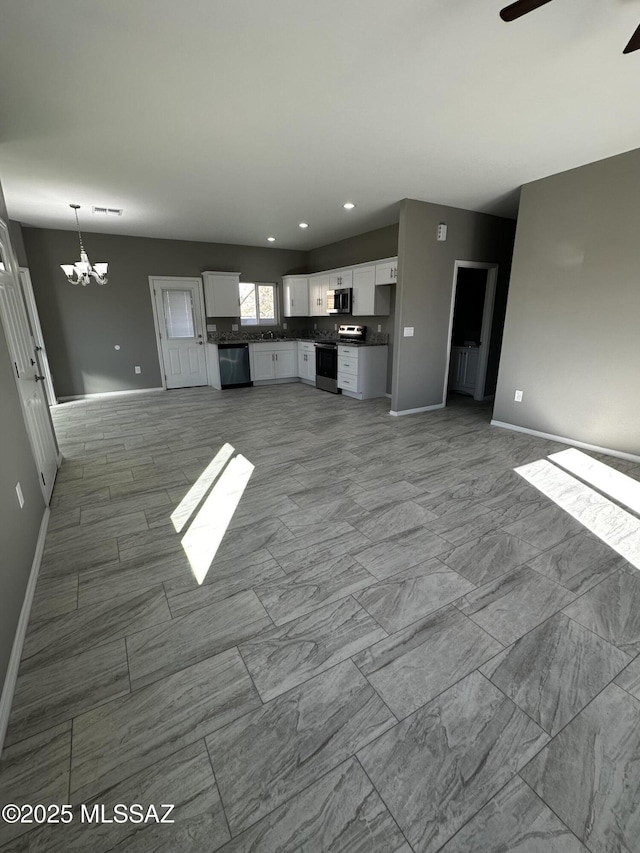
[(400, 645)]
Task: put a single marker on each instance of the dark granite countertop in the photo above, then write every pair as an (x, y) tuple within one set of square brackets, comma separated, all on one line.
[(216, 338)]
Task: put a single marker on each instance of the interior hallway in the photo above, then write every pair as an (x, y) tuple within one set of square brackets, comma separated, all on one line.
[(401, 644)]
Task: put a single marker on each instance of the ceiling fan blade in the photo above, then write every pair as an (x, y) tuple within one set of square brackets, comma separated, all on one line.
[(634, 42), (521, 7)]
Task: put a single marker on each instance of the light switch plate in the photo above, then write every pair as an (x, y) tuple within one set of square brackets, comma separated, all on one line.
[(518, 396), (408, 331)]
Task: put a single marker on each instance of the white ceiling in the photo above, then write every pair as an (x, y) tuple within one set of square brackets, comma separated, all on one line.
[(230, 120)]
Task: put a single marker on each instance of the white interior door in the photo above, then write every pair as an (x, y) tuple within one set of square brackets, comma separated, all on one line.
[(28, 378), (180, 324), (36, 328)]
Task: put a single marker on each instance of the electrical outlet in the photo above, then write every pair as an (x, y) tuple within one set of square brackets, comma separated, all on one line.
[(284, 325), (518, 396), (20, 495), (379, 327), (234, 327), (315, 326), (137, 369), (335, 327)]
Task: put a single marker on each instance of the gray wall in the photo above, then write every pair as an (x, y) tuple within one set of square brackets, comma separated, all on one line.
[(19, 528), (370, 246), (82, 325), (424, 291), (571, 333)]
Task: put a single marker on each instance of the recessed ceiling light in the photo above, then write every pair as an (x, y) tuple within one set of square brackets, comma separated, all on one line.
[(348, 205), (303, 225), (271, 239)]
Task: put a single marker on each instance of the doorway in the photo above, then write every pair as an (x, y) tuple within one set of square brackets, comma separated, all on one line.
[(178, 314), (471, 318), (29, 380)]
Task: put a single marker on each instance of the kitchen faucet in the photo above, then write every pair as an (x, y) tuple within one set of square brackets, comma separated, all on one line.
[(270, 333)]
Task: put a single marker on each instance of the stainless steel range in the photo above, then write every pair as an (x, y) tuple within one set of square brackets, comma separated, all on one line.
[(327, 355)]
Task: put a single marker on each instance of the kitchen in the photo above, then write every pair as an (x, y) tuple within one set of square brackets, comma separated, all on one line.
[(321, 339), (89, 357)]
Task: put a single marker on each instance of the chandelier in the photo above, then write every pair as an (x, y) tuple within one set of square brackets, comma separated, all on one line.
[(82, 269)]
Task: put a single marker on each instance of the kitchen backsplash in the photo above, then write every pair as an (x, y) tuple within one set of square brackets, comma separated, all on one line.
[(293, 334)]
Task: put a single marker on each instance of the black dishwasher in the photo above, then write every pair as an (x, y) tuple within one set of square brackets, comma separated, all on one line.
[(234, 365)]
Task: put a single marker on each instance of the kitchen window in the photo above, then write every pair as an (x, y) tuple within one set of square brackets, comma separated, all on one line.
[(258, 304)]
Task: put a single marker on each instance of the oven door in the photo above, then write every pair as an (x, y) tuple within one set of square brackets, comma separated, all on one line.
[(327, 368)]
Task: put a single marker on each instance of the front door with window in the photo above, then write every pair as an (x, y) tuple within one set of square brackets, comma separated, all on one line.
[(180, 319)]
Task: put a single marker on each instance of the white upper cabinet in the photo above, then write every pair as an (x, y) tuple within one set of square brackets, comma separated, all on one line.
[(222, 294), (387, 271), (318, 287), (296, 296), (340, 278), (368, 300)]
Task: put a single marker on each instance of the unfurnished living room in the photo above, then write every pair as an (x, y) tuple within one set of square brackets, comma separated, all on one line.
[(319, 457)]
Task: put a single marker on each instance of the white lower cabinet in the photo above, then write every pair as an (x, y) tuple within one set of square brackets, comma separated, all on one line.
[(273, 361), (362, 371), (463, 369), (307, 362)]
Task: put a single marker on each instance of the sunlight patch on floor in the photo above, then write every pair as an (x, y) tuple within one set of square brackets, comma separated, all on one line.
[(613, 525), (203, 538), (619, 486), (187, 506)]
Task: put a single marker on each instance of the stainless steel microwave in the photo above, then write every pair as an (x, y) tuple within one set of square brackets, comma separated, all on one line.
[(339, 301)]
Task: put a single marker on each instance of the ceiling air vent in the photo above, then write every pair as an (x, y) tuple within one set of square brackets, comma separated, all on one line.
[(108, 211)]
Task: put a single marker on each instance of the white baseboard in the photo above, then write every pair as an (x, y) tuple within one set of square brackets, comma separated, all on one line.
[(16, 652), (572, 441), (416, 411), (110, 394)]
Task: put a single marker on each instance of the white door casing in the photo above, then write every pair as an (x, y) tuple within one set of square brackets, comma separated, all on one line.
[(178, 313), (487, 322), (29, 381)]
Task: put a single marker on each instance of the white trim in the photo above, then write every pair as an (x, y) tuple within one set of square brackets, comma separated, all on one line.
[(631, 457), (16, 652), (156, 327), (416, 411), (487, 323), (99, 394)]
